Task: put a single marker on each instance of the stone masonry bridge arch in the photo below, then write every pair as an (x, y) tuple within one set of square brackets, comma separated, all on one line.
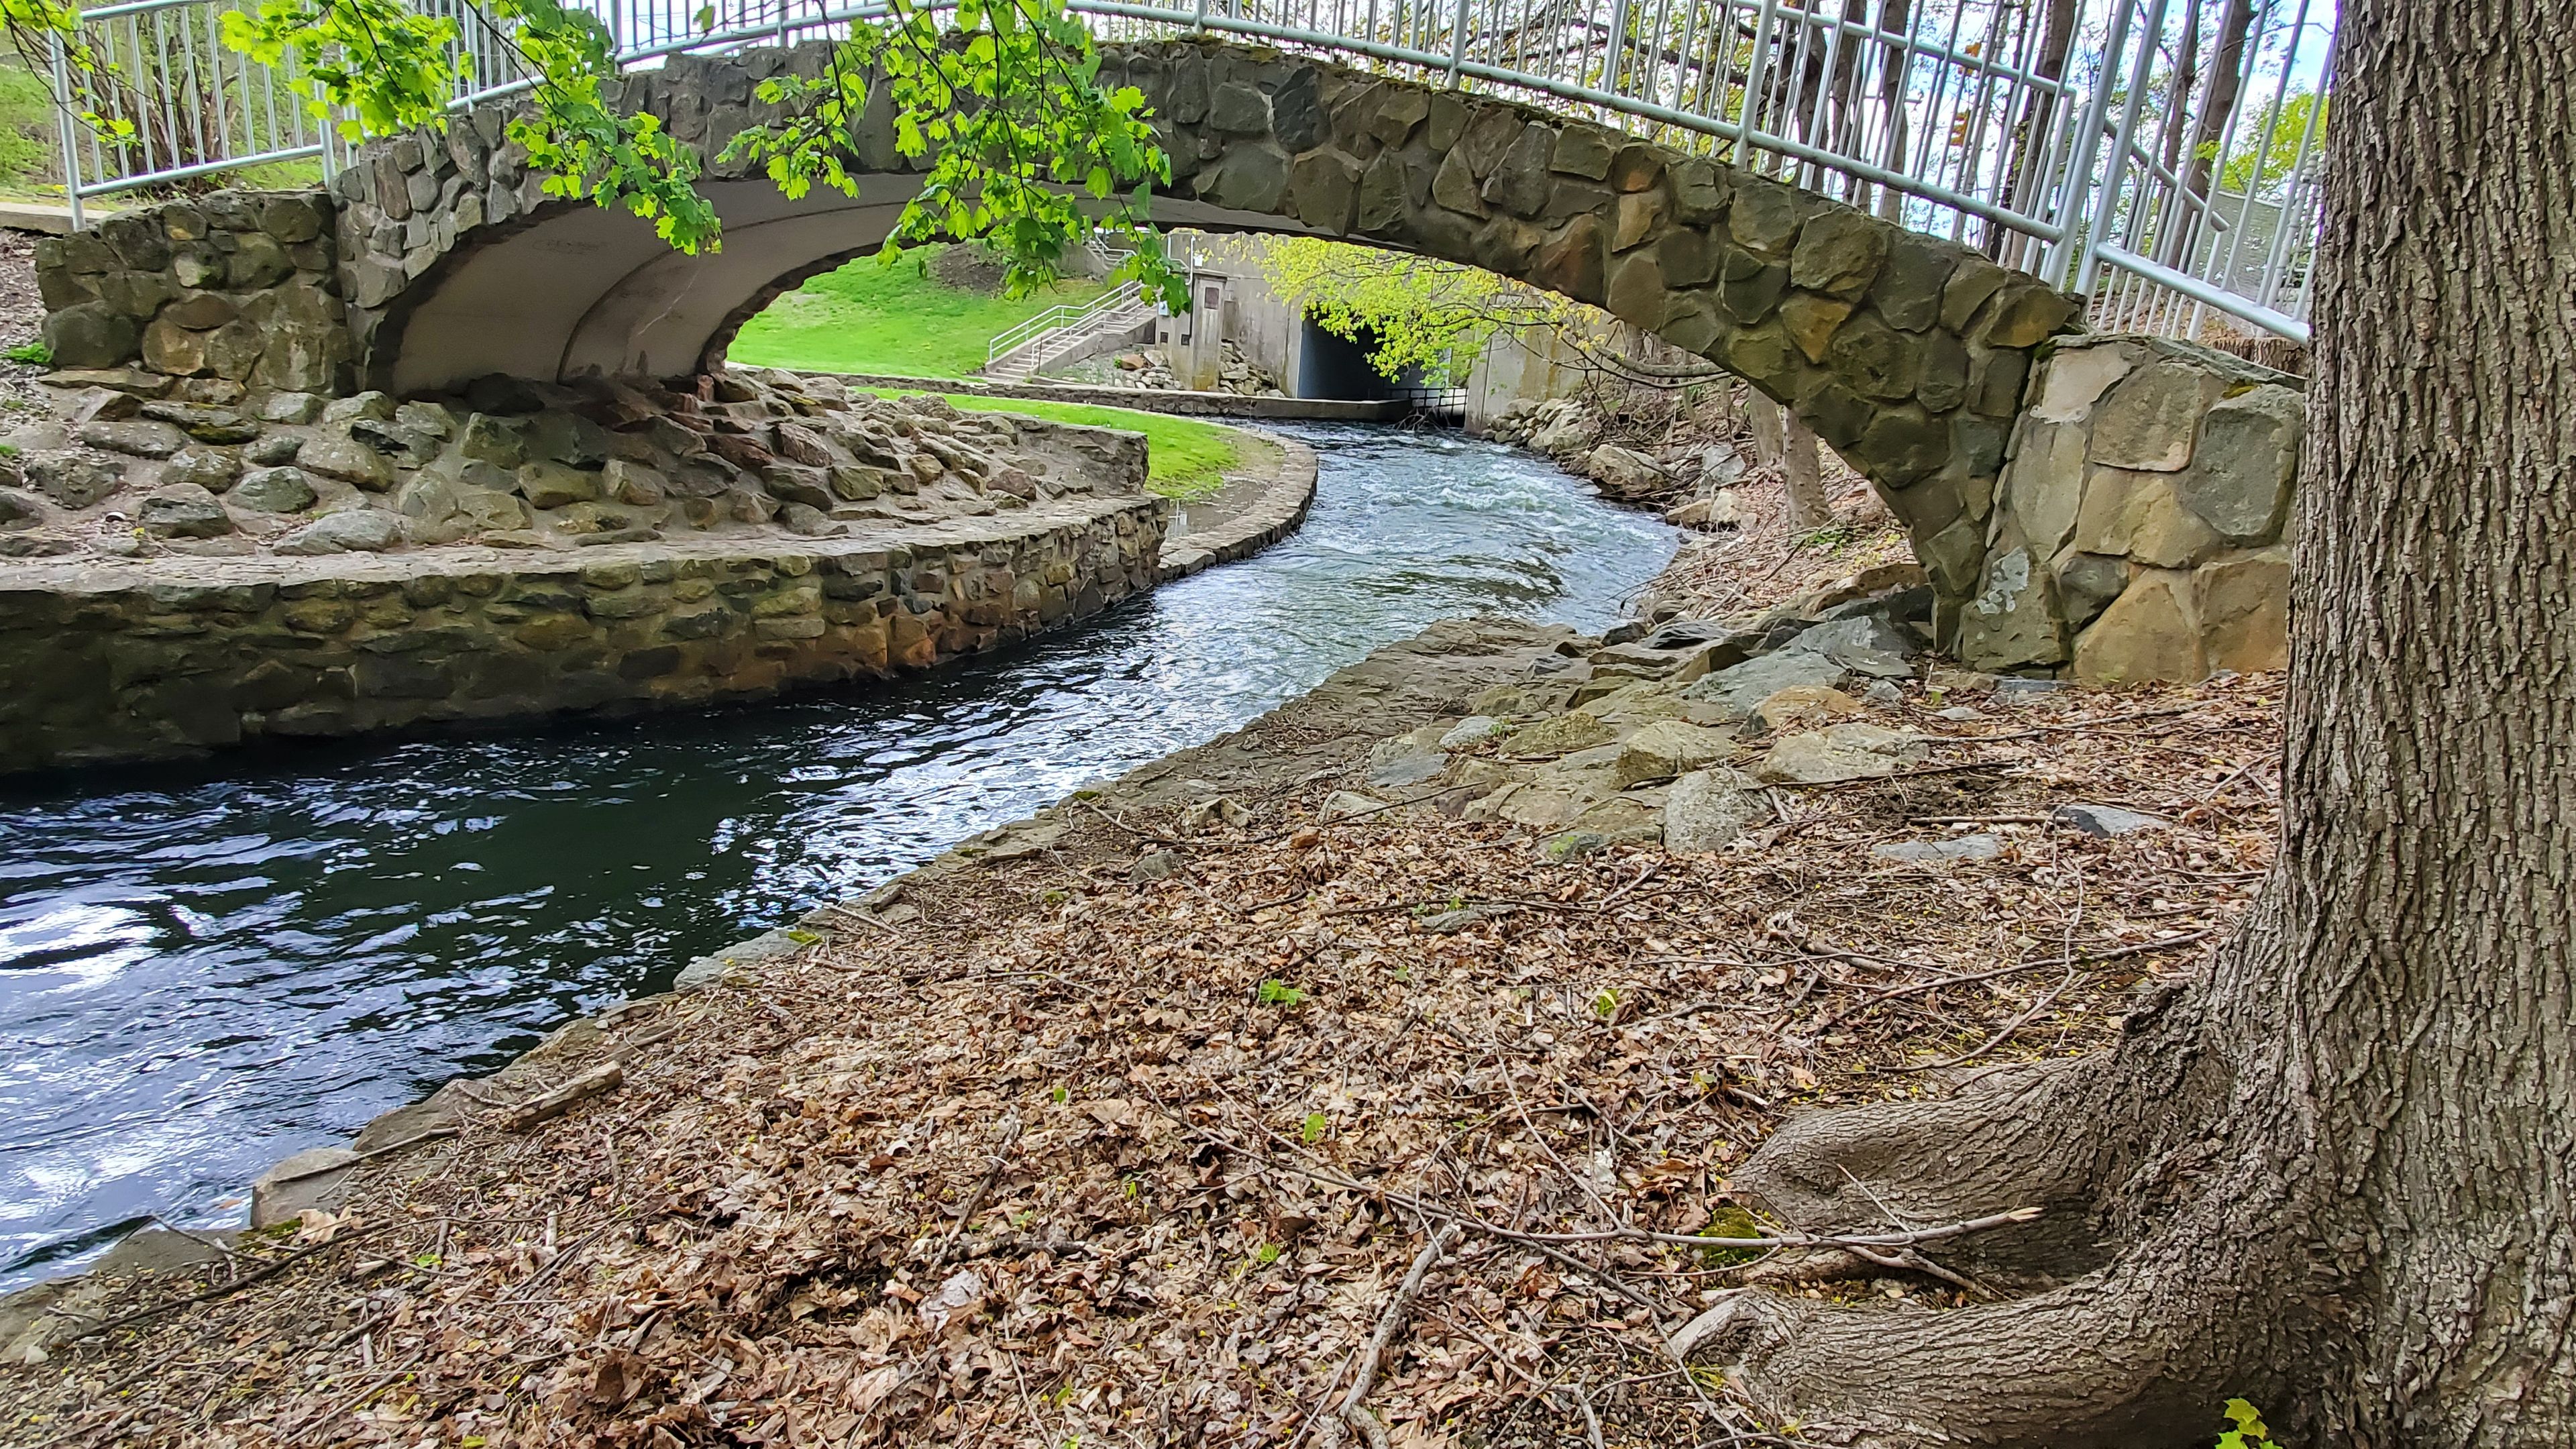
[(1908, 354)]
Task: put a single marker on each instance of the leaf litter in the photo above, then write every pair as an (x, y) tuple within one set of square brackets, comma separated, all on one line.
[(1050, 1156)]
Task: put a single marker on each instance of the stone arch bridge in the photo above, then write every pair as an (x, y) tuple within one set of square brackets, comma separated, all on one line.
[(433, 261), (1907, 354)]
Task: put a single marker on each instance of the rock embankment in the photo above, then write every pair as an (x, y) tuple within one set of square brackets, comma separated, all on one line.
[(144, 465)]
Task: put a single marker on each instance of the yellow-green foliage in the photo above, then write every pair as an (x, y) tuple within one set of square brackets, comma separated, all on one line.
[(1433, 315)]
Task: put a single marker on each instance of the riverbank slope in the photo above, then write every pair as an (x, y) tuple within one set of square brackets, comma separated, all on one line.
[(1127, 1119)]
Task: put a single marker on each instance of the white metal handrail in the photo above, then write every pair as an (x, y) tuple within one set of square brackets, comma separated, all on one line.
[(1054, 318), (1964, 118)]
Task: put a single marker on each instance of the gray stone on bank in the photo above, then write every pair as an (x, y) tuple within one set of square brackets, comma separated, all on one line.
[(274, 490), (1710, 810), (1838, 753), (2104, 821), (182, 510), (1736, 691), (355, 530), (710, 969)]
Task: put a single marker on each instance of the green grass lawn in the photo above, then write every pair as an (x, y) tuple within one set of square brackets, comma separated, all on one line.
[(1187, 458), (870, 317)]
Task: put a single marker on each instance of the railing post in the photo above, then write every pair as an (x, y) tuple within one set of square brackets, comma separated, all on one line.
[(1457, 44), (2091, 261), (1615, 59), (1755, 77), (64, 129), (2073, 211)]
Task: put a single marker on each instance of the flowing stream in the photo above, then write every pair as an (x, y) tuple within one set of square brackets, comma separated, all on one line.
[(206, 967)]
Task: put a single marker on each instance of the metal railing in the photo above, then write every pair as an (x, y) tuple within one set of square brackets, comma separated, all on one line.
[(1055, 319), (2101, 153)]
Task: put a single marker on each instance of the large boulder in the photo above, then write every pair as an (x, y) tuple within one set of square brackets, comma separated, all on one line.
[(182, 510), (1626, 474), (1837, 753), (1737, 690)]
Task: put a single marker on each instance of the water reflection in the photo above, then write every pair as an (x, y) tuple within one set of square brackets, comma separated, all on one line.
[(203, 969)]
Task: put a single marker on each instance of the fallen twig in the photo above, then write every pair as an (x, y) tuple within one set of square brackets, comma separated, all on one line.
[(555, 1101), (1354, 1409)]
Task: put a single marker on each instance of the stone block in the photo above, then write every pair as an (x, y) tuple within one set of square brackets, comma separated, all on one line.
[(1637, 290), (1323, 187), (2149, 634), (91, 334), (2140, 515), (1571, 263), (274, 490), (2241, 474), (1710, 810), (2013, 623), (1749, 288), (2025, 312), (1700, 192), (2044, 484), (349, 460), (1762, 215), (2244, 608), (1874, 359), (1811, 322), (357, 530), (1520, 183), (2151, 418), (1839, 253), (1585, 151), (2076, 377)]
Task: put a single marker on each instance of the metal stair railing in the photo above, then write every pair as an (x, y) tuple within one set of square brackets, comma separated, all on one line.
[(1058, 319)]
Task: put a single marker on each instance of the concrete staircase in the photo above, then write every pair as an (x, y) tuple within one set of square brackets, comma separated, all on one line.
[(1058, 332)]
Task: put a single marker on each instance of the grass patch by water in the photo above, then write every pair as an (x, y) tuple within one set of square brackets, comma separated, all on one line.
[(867, 316), (1187, 458)]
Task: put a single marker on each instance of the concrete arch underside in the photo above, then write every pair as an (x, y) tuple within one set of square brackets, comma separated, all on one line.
[(1908, 354)]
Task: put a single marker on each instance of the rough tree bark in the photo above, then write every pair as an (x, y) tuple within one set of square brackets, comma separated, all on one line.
[(1782, 440), (2033, 132), (2336, 1173)]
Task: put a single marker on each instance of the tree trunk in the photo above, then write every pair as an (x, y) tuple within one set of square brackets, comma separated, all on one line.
[(2335, 1175), (1781, 440), (2028, 171)]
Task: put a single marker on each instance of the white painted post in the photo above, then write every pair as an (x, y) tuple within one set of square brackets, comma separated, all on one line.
[(64, 129)]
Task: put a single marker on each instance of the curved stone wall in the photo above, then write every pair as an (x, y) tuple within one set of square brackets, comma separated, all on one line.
[(175, 656)]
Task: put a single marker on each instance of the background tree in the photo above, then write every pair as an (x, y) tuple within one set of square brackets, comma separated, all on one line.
[(2330, 1175)]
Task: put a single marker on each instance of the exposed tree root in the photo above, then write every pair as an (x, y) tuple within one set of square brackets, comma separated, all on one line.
[(2004, 1142)]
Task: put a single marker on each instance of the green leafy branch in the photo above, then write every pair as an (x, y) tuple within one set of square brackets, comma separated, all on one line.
[(1004, 97)]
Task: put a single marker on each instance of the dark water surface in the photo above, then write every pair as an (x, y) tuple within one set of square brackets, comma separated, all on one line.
[(205, 968)]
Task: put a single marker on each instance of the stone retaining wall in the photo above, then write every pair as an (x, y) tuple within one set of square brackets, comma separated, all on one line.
[(2140, 526), (1273, 514), (233, 290), (176, 656)]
